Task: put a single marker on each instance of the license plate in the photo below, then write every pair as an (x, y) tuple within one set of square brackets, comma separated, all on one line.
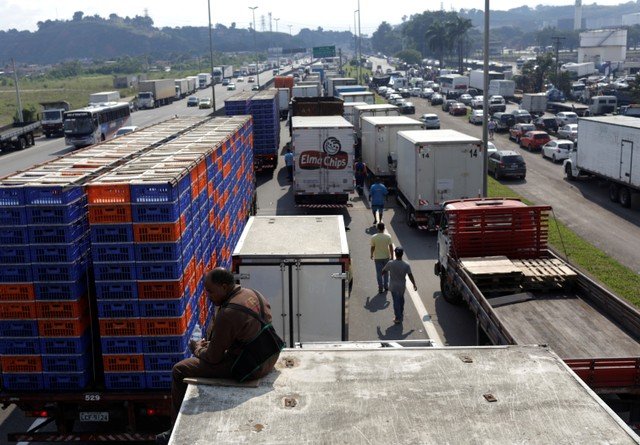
[(102, 416)]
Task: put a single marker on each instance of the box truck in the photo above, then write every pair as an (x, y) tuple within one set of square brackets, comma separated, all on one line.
[(435, 166), (306, 90), (338, 81), (193, 84), (504, 88), (534, 103), (608, 149), (349, 111), (358, 96), (155, 93), (284, 97), (323, 149), (104, 97), (361, 111), (204, 80), (379, 149), (577, 70), (476, 78), (182, 88), (52, 117), (304, 279), (221, 72)]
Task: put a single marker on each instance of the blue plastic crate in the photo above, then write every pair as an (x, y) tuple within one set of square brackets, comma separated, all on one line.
[(11, 196), (114, 271), (157, 192), (118, 309), (159, 271), (130, 380), (13, 216), (57, 214), (156, 212), (113, 253), (19, 346), (70, 290), (65, 345), (66, 362), (52, 195), (23, 382), (163, 362), (150, 252), (15, 254), (172, 344), (67, 381), (121, 345), (18, 328), (61, 234), (158, 380), (14, 235), (111, 233), (16, 273), (47, 272), (60, 253), (116, 290), (163, 308)]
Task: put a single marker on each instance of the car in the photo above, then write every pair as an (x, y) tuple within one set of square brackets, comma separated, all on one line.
[(465, 98), (387, 94), (491, 148), (548, 124), (473, 92), (404, 92), (477, 102), (504, 121), (521, 116), (534, 140), (435, 87), (241, 79), (407, 108), (124, 130), (569, 131), (504, 163), (394, 99), (225, 82), (431, 121), (415, 91), (231, 87), (251, 79), (382, 89), (193, 101), (436, 99), (458, 109), (497, 104), (255, 87), (566, 117), (557, 150), (476, 117), (275, 71), (426, 93), (446, 104), (205, 103), (516, 132)]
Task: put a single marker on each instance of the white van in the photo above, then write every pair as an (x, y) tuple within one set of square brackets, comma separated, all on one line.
[(602, 105)]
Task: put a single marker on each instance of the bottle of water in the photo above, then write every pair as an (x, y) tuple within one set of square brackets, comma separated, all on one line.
[(196, 335)]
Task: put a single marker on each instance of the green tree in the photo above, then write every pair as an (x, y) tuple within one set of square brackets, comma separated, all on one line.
[(436, 37), (385, 39), (77, 16), (458, 29), (409, 56)]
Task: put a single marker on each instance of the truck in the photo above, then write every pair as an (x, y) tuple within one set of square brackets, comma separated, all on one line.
[(358, 96), (379, 145), (333, 82), (306, 90), (476, 78), (608, 150), (577, 70), (156, 93), (361, 111), (435, 166), (104, 97), (343, 393), (52, 117), (204, 80), (453, 85), (504, 88), (534, 103), (221, 72), (348, 89), (349, 111), (193, 84), (284, 97), (19, 135), (323, 149), (305, 279), (182, 88), (494, 258)]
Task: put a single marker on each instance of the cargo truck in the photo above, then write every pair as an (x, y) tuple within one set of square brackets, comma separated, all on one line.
[(349, 111), (476, 78), (306, 90), (609, 150), (323, 150), (104, 97), (361, 111), (358, 96), (53, 117), (534, 103), (155, 93), (348, 89), (193, 84), (504, 88), (493, 257), (19, 135), (284, 97), (333, 82), (379, 145), (221, 72), (577, 70), (435, 166), (204, 80), (305, 278), (182, 88)]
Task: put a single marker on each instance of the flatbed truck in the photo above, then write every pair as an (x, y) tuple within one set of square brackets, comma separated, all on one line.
[(18, 136)]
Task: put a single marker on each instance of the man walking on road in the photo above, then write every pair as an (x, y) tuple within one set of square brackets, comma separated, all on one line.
[(288, 162), (381, 253), (399, 270), (377, 195)]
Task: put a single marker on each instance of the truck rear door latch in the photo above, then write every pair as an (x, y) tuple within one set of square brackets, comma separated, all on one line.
[(339, 275)]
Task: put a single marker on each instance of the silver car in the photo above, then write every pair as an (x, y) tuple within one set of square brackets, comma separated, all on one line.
[(476, 117), (569, 131), (431, 121)]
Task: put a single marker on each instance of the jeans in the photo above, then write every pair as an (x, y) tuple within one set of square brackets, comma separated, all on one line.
[(398, 304), (290, 172), (383, 280), (377, 209)]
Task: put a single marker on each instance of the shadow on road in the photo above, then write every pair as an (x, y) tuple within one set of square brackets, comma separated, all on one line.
[(394, 332), (377, 303)]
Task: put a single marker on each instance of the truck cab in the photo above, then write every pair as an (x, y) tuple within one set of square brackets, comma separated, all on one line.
[(602, 105), (52, 117), (146, 99)]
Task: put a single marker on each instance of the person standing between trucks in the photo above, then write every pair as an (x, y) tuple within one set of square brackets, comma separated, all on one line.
[(399, 270), (377, 195), (214, 356), (491, 126), (361, 173), (288, 162), (381, 253)]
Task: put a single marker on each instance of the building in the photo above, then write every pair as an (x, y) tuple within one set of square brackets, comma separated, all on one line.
[(631, 19), (603, 45)]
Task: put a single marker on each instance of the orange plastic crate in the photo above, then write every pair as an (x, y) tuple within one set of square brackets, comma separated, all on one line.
[(190, 270), (18, 310), (193, 174), (166, 326), (202, 182), (109, 194), (110, 214), (61, 309), (157, 233), (160, 290), (21, 363), (69, 327), (17, 292), (123, 363), (119, 327), (209, 189)]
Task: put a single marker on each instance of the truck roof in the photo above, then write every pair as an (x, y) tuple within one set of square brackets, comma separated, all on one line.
[(438, 136), (294, 236), (354, 104), (375, 107), (487, 203), (501, 395), (391, 120), (320, 122), (627, 121)]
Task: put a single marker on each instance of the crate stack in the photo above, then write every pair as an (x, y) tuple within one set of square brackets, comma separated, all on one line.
[(266, 122), (239, 104)]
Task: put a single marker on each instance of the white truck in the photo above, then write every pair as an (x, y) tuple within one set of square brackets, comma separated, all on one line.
[(104, 97), (361, 111), (435, 166), (534, 103), (53, 117), (358, 96), (476, 78), (204, 80), (338, 81), (379, 145), (284, 97), (221, 72), (193, 84), (578, 70), (349, 111), (504, 88), (156, 93), (300, 264), (608, 149), (323, 149), (309, 90), (182, 88)]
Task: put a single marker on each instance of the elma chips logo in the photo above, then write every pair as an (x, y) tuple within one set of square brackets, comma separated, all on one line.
[(331, 146), (331, 158)]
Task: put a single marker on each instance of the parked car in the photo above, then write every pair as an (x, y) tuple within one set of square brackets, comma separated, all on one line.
[(458, 109), (426, 93), (205, 103), (504, 163), (497, 104), (465, 99), (476, 117), (241, 79), (473, 92), (477, 102), (193, 101), (431, 121), (491, 148), (436, 99), (407, 108), (415, 91), (404, 92), (124, 130), (566, 117), (231, 87), (521, 116), (255, 88), (534, 140), (382, 89), (557, 150), (504, 121), (446, 104), (225, 82), (390, 92), (518, 130), (394, 99), (569, 131), (548, 124), (436, 87), (251, 79)]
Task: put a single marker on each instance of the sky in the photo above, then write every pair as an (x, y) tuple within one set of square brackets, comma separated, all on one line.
[(329, 14)]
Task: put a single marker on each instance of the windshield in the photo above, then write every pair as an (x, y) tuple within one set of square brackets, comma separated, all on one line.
[(513, 159), (78, 125), (565, 146), (144, 95), (52, 115)]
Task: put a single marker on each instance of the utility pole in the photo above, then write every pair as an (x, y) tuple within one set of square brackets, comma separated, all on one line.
[(355, 33), (270, 23), (213, 84), (557, 40), (15, 79), (485, 101), (359, 46), (255, 45), (276, 20), (340, 63)]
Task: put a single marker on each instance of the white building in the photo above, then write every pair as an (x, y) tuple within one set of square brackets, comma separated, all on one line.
[(603, 45), (631, 19)]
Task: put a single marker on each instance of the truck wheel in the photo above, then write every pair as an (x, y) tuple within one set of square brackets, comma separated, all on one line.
[(450, 295), (569, 172), (410, 216), (20, 144), (496, 175), (47, 135), (614, 192), (30, 141), (625, 197)]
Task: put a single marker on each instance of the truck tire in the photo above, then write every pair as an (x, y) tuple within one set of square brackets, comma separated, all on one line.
[(614, 192), (30, 141), (450, 295), (47, 135), (569, 172), (20, 144), (625, 197), (410, 217)]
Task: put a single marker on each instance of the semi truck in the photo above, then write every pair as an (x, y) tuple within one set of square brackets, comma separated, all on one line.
[(193, 84), (104, 97), (221, 72), (284, 97), (19, 135), (305, 279), (435, 166), (494, 258), (204, 80), (476, 78), (609, 150), (156, 93), (504, 88), (310, 90), (333, 82), (358, 96), (53, 117), (577, 70), (182, 88), (323, 149)]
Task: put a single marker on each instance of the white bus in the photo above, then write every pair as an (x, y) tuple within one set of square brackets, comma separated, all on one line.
[(95, 123), (453, 84)]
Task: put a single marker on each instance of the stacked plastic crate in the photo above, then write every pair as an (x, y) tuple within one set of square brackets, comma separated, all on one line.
[(239, 104), (266, 123)]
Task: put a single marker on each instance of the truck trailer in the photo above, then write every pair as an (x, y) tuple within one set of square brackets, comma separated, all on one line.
[(53, 117), (358, 96), (19, 135), (476, 78), (182, 88), (156, 93), (104, 97), (534, 103), (608, 149), (361, 111), (501, 87), (204, 80), (333, 82)]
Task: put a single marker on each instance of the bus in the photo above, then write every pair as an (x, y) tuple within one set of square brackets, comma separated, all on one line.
[(453, 85), (95, 123)]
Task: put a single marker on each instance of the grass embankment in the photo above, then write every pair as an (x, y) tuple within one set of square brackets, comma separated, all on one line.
[(618, 278)]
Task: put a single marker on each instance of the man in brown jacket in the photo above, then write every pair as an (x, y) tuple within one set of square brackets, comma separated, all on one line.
[(214, 355)]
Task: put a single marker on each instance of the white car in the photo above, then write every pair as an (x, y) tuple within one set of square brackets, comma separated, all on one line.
[(426, 93), (394, 99), (465, 99), (569, 131), (476, 117), (491, 148), (124, 130), (557, 150), (431, 121), (477, 102), (566, 117)]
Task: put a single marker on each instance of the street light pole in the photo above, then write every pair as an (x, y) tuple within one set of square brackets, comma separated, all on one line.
[(485, 100), (355, 34), (213, 84), (255, 45), (359, 46), (276, 20)]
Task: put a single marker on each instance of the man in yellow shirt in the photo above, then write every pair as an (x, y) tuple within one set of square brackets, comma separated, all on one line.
[(381, 253)]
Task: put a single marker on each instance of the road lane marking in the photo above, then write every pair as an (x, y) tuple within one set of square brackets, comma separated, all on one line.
[(425, 318)]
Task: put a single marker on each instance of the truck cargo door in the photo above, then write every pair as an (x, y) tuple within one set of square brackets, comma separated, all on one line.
[(337, 150), (319, 303), (308, 161), (626, 155)]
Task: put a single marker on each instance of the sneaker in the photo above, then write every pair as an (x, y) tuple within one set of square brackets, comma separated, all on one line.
[(375, 222), (163, 438), (386, 288), (396, 321), (379, 290)]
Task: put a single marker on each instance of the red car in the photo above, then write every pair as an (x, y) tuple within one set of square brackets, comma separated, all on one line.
[(518, 130), (534, 140), (458, 109)]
